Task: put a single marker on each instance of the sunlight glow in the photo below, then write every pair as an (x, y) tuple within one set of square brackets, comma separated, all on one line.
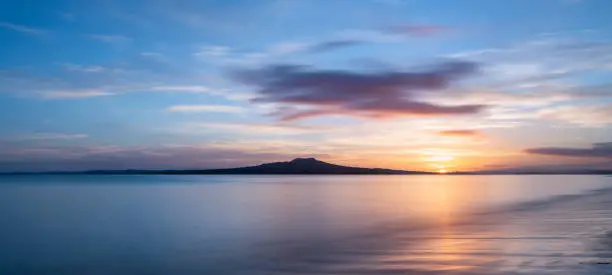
[(442, 171), (438, 158)]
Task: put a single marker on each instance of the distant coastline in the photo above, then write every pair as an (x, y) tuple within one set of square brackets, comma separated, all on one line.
[(306, 166), (299, 166)]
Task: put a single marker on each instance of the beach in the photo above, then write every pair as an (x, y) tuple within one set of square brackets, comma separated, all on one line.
[(562, 235)]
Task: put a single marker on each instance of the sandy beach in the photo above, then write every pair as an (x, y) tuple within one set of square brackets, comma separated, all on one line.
[(562, 235)]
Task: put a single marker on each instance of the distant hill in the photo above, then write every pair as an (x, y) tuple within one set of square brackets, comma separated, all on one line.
[(310, 166)]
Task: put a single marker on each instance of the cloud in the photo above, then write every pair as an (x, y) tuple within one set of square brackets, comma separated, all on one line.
[(312, 47), (54, 136), (205, 108), (81, 81), (385, 35), (583, 115), (541, 97), (44, 137), (21, 28), (306, 92), (110, 38), (136, 72), (253, 128), (213, 51), (417, 30), (74, 94), (548, 58), (228, 55), (227, 94), (571, 104), (598, 150), (286, 48), (333, 45), (67, 158), (82, 68), (152, 54), (460, 133), (345, 39), (186, 89)]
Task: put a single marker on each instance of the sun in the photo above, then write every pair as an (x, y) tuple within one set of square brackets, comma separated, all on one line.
[(442, 171)]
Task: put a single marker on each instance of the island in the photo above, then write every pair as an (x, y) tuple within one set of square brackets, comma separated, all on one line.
[(298, 166), (313, 166)]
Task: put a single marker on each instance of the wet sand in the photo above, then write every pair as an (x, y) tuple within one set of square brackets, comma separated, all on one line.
[(563, 235)]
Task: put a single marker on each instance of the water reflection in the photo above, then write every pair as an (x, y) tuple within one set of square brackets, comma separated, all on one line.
[(305, 225), (549, 241)]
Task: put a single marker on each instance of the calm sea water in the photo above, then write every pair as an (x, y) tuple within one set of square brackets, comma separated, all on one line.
[(305, 224)]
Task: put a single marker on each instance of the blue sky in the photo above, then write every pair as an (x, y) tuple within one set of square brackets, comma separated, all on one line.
[(428, 85)]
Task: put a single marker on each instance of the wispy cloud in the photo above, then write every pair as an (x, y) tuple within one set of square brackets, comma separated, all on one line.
[(82, 81), (83, 68), (311, 47), (577, 105), (543, 60), (110, 38), (205, 108), (227, 94), (54, 136), (74, 94), (333, 45), (185, 89), (21, 28), (213, 51), (358, 37), (342, 40), (287, 48), (417, 30), (506, 102), (62, 158), (152, 54), (260, 128), (584, 115)]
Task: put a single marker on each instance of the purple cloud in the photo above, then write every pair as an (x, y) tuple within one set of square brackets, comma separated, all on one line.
[(600, 150), (306, 92)]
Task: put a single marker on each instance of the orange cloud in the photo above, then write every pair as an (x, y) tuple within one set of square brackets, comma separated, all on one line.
[(460, 133)]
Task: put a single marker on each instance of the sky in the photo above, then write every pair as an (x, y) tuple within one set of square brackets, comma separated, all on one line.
[(405, 84)]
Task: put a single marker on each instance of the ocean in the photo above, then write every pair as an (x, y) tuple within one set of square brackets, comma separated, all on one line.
[(235, 224)]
